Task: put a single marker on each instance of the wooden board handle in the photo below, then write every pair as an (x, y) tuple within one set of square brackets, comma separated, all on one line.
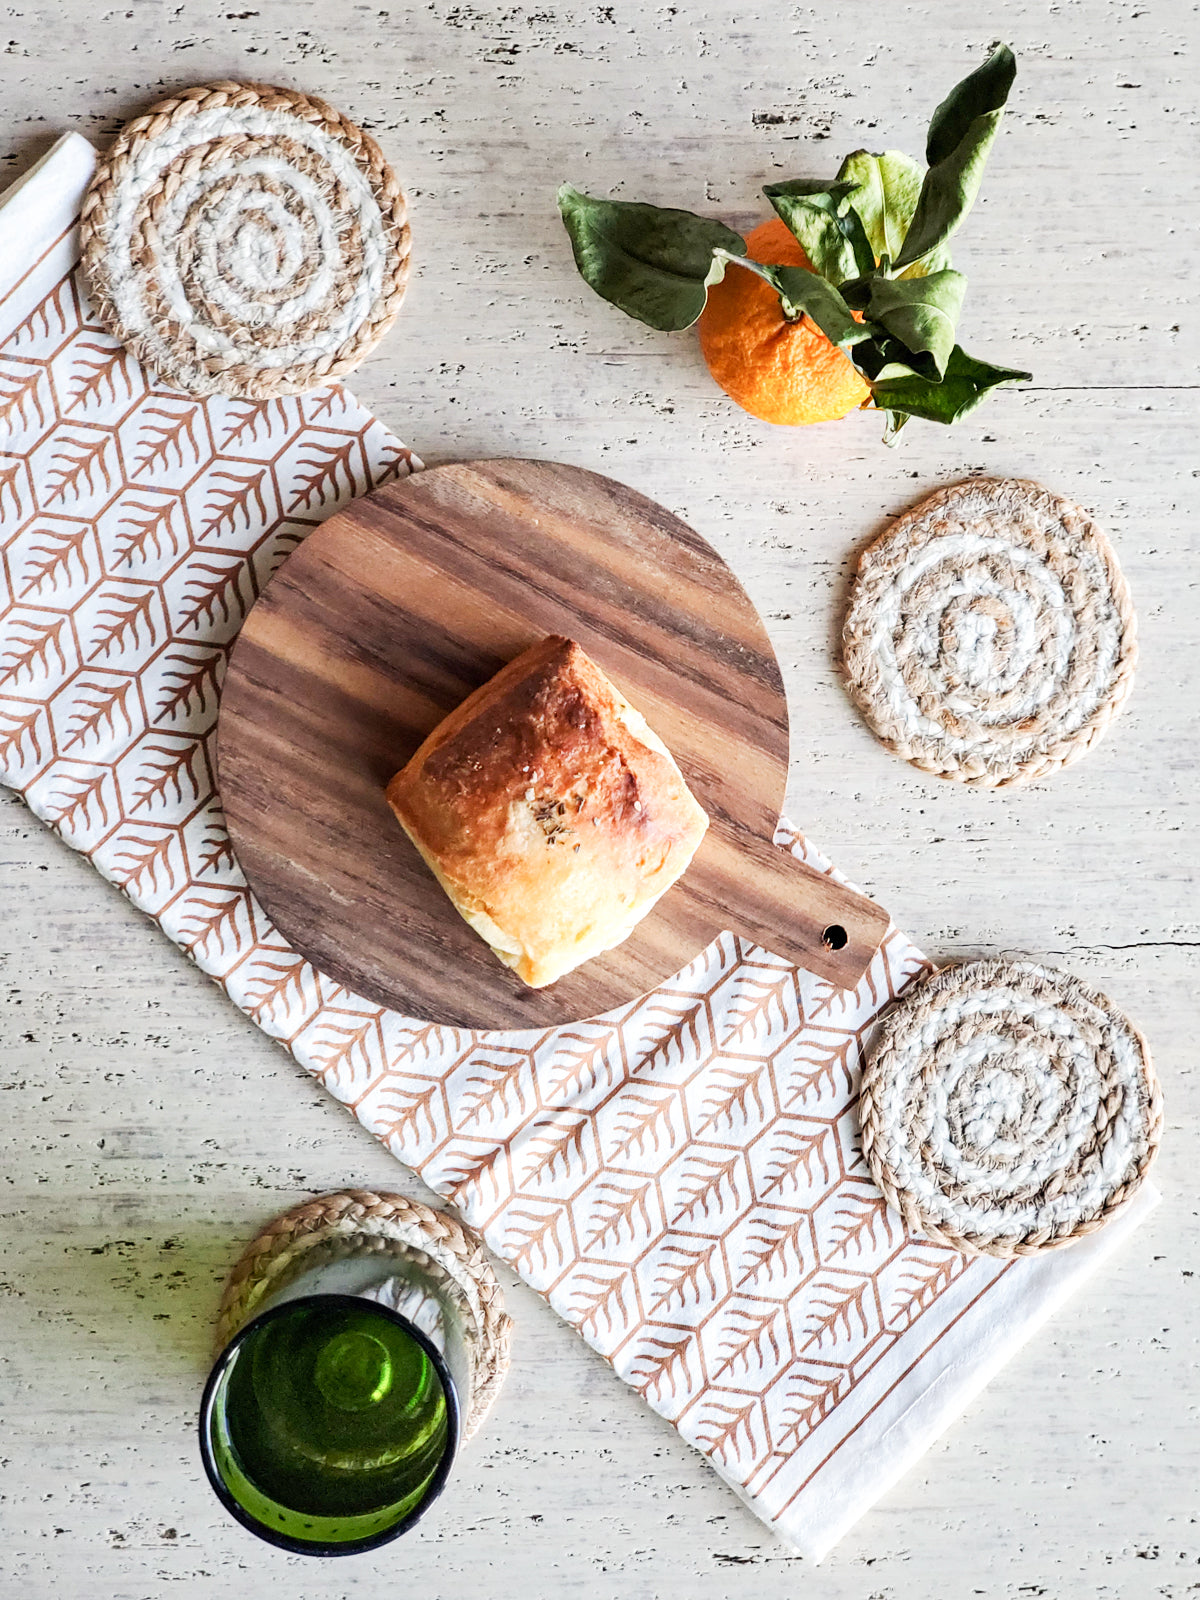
[(831, 930)]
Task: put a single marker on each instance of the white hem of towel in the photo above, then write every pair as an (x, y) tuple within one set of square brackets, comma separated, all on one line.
[(41, 211)]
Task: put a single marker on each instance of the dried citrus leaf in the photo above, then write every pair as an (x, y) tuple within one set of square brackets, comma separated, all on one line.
[(828, 228), (922, 313), (651, 262), (960, 136), (966, 382), (885, 192)]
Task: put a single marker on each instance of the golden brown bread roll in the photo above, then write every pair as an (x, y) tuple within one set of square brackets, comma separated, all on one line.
[(549, 812)]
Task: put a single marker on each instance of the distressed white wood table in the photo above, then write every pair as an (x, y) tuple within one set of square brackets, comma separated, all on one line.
[(150, 1128)]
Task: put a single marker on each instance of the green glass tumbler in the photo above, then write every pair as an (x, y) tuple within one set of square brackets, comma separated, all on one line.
[(329, 1423)]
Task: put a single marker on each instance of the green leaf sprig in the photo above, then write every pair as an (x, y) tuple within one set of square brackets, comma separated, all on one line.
[(877, 238)]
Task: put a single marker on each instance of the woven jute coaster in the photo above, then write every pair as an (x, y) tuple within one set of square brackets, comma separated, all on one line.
[(358, 1222), (245, 240), (990, 635), (1007, 1108)]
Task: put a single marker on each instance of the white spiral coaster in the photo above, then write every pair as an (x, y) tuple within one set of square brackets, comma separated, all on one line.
[(990, 635), (1007, 1108), (245, 240)]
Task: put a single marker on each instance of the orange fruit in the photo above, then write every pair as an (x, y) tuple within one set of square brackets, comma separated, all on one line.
[(778, 370)]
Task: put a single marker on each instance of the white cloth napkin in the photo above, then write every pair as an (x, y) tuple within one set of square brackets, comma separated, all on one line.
[(681, 1179)]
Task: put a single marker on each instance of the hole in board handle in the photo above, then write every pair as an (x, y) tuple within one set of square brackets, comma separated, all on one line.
[(835, 937)]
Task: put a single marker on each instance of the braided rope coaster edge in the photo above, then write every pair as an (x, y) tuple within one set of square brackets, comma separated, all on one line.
[(860, 663), (919, 1009), (166, 346), (386, 1224)]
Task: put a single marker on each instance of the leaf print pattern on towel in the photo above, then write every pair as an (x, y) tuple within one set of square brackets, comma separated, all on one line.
[(681, 1179)]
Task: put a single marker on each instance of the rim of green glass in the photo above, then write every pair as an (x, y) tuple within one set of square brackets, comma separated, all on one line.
[(317, 1547)]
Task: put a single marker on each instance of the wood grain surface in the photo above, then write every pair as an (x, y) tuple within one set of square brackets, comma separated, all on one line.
[(391, 614), (151, 1129)]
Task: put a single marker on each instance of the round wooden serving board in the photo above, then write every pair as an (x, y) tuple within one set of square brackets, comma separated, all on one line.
[(389, 615)]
